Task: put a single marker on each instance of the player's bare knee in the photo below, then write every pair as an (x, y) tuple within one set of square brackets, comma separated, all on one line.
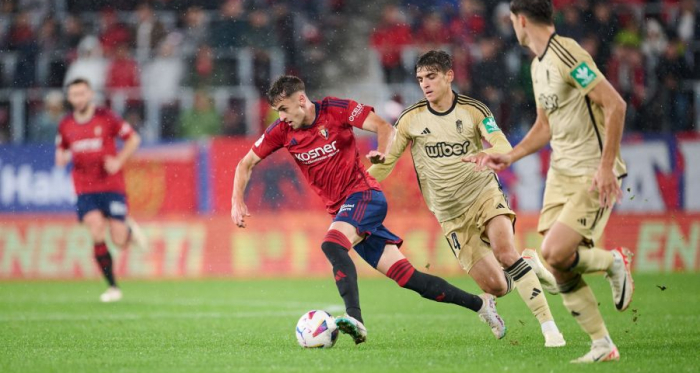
[(505, 254), (495, 286), (553, 256)]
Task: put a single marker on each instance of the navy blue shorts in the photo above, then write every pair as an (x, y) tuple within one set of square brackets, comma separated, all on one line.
[(112, 205), (366, 212)]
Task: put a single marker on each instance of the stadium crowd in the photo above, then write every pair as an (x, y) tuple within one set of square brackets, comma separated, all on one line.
[(148, 50)]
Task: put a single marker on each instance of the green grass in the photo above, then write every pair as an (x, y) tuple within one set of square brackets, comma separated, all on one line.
[(245, 326)]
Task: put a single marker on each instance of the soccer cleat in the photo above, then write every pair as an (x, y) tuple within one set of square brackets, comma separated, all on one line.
[(546, 278), (601, 350), (138, 239), (554, 339), (112, 294), (353, 327), (489, 315), (620, 277)]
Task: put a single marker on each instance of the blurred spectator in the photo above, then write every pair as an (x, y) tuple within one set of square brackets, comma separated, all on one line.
[(72, 34), (52, 52), (433, 33), (204, 70), (470, 22), (605, 26), (44, 126), (90, 65), (504, 26), (202, 120), (149, 32), (671, 71), (234, 121), (394, 107), (230, 29), (389, 38), (688, 23), (626, 74), (112, 32), (571, 25), (123, 71), (195, 30), (21, 40), (162, 76), (488, 77), (653, 47), (260, 37), (462, 65), (630, 34)]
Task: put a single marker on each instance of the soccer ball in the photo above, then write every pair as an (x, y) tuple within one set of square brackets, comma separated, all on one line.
[(317, 329)]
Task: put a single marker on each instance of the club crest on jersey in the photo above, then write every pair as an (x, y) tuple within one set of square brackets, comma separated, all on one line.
[(324, 132), (98, 131), (459, 125)]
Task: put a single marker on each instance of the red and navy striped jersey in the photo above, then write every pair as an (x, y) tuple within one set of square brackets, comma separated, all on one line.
[(325, 151)]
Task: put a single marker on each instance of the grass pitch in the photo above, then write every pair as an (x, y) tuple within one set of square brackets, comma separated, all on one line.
[(247, 326)]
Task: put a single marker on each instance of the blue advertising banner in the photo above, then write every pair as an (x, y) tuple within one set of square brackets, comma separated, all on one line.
[(29, 182)]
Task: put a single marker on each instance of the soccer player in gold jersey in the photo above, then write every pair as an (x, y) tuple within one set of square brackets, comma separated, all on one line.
[(474, 213), (581, 115)]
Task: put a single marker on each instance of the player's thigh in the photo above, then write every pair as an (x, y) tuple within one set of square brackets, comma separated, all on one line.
[(464, 238), (348, 230), (389, 257), (499, 231), (488, 274), (556, 194), (119, 231), (559, 245), (96, 223)]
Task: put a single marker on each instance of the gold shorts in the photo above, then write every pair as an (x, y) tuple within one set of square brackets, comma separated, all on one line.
[(567, 199), (466, 233)]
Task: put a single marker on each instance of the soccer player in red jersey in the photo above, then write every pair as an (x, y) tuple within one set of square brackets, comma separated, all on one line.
[(88, 135), (319, 134)]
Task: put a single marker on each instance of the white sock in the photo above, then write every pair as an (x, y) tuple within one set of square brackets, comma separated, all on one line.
[(549, 326)]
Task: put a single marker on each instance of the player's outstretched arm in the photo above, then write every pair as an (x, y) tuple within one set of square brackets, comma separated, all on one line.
[(243, 171), (114, 164), (385, 135), (614, 106), (536, 139)]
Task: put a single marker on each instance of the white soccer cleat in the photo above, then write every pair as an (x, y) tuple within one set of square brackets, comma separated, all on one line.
[(490, 316), (620, 277), (601, 350), (546, 278), (112, 294), (554, 339), (353, 327), (138, 239)]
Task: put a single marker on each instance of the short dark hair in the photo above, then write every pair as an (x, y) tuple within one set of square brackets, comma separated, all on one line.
[(435, 61), (537, 11), (77, 81), (283, 87)]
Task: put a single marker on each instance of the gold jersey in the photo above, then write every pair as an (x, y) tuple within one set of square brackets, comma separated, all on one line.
[(439, 141), (562, 78)]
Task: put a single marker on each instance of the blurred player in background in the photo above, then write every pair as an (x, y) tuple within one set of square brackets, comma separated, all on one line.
[(473, 211), (319, 134), (581, 115), (88, 135)]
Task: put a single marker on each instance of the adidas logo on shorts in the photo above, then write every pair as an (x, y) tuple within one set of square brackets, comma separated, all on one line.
[(426, 131)]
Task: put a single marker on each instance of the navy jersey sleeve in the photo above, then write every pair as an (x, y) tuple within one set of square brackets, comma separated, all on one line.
[(270, 141)]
